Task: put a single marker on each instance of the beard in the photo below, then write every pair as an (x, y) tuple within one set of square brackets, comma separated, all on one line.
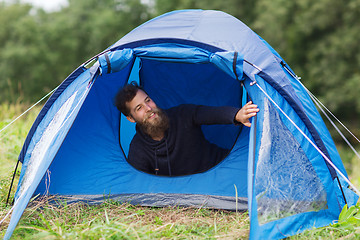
[(156, 127)]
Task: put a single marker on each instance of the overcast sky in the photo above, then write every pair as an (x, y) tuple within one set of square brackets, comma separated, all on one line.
[(48, 5)]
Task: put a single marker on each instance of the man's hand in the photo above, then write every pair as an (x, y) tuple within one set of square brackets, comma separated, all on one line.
[(246, 112)]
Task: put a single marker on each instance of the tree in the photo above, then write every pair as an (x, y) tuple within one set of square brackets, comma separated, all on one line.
[(19, 49), (39, 49), (242, 9), (319, 39)]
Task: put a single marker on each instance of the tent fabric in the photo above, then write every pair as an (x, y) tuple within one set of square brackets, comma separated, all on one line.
[(46, 107), (51, 132), (307, 189), (173, 53), (77, 147)]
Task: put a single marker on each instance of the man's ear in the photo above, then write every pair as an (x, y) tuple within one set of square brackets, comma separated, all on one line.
[(130, 118)]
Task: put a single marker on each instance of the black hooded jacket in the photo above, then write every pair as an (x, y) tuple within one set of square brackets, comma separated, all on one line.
[(184, 149)]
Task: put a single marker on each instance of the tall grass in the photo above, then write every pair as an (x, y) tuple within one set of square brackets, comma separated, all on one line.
[(113, 220), (11, 141), (12, 138)]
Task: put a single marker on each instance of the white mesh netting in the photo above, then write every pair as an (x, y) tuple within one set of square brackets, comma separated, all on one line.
[(286, 182), (44, 143)]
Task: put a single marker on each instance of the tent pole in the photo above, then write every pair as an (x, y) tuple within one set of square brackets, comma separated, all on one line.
[(12, 181), (342, 192), (317, 102)]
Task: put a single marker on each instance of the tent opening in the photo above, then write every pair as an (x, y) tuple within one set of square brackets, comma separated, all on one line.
[(186, 83)]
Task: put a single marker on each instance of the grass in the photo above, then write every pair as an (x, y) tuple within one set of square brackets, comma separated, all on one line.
[(13, 136), (113, 220), (11, 141)]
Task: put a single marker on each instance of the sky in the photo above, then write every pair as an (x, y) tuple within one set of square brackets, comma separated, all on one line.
[(47, 5)]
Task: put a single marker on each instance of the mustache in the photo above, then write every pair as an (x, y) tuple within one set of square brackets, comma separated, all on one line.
[(155, 111), (156, 127)]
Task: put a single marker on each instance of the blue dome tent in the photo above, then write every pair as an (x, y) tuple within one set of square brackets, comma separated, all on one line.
[(285, 169)]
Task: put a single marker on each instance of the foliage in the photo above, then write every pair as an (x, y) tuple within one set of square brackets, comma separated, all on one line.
[(242, 9), (319, 39), (39, 49), (347, 227)]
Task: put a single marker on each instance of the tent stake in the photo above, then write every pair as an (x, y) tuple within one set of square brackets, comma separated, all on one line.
[(12, 181)]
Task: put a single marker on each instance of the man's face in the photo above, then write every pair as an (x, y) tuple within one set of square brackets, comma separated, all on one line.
[(142, 109)]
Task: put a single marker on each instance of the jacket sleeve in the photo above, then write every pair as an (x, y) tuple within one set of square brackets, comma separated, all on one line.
[(208, 115)]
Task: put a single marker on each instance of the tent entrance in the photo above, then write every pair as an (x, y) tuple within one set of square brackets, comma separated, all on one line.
[(185, 83)]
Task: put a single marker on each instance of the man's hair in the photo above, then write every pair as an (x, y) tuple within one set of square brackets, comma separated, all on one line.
[(126, 94)]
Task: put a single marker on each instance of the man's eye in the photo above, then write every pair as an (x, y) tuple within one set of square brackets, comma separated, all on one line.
[(138, 108)]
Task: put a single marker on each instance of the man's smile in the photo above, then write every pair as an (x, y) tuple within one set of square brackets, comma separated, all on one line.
[(150, 116)]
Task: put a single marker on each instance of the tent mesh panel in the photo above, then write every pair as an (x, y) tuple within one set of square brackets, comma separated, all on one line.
[(286, 182)]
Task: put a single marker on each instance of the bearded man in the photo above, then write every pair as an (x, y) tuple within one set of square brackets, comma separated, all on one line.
[(170, 142)]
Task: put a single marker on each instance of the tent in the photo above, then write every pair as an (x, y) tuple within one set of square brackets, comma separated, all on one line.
[(285, 169)]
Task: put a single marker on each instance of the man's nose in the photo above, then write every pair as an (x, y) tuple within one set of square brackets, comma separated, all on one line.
[(148, 107)]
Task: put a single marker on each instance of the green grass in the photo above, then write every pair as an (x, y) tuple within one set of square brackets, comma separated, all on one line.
[(11, 141), (12, 137), (113, 220)]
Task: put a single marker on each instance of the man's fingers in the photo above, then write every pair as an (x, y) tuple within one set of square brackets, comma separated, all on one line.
[(251, 109), (248, 110)]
